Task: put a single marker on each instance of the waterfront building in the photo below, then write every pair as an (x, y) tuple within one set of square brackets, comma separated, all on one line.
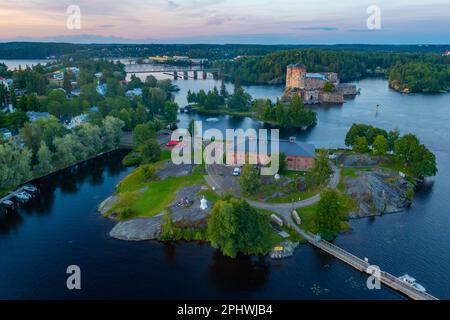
[(311, 86)]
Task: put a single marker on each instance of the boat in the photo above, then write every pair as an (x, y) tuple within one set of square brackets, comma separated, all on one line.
[(30, 188), (8, 203), (412, 282), (24, 196), (212, 120)]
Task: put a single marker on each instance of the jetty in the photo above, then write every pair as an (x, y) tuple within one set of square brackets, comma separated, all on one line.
[(7, 201)]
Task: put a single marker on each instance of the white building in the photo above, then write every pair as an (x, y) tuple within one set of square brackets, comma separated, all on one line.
[(77, 121), (6, 82)]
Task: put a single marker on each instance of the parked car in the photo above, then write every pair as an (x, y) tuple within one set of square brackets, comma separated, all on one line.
[(236, 172)]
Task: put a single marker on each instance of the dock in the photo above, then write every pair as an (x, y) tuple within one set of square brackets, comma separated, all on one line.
[(6, 200)]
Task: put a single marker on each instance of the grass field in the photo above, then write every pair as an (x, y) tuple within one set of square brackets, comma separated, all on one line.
[(147, 197)]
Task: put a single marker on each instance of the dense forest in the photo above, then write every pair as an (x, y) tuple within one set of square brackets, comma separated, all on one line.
[(350, 65), (41, 50), (420, 77)]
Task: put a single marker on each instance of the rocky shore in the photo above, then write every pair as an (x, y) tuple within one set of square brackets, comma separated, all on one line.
[(185, 211), (377, 192)]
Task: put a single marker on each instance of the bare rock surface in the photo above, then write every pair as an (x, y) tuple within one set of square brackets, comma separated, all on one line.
[(185, 212), (377, 192)]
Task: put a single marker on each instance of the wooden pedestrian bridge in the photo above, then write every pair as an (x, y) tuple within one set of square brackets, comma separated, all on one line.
[(386, 278)]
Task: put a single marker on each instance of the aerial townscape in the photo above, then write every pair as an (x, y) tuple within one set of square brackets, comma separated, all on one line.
[(90, 134)]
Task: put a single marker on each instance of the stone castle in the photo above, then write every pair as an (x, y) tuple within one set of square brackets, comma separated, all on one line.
[(311, 86)]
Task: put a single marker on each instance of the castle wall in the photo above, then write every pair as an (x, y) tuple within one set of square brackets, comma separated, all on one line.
[(314, 83), (331, 97), (347, 89)]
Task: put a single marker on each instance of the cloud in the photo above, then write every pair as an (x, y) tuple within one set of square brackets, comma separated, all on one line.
[(172, 4), (318, 28), (106, 26)]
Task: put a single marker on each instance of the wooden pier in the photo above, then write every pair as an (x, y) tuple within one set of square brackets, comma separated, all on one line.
[(11, 195)]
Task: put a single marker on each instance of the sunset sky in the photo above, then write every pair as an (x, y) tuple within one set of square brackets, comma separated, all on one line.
[(227, 21)]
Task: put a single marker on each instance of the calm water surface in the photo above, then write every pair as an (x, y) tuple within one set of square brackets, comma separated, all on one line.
[(62, 227)]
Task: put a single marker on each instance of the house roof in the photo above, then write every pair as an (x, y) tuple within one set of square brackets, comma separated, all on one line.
[(316, 76), (298, 149), (294, 149)]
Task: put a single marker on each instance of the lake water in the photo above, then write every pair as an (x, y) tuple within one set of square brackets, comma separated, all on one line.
[(62, 227), (15, 64)]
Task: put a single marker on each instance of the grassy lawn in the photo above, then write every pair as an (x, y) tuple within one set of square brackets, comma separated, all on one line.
[(308, 215), (149, 198), (210, 195), (290, 196)]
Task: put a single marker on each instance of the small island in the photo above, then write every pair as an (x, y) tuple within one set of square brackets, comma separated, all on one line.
[(420, 77), (166, 202)]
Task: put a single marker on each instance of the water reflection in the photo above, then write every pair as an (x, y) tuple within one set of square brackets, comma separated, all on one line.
[(67, 181), (245, 273)]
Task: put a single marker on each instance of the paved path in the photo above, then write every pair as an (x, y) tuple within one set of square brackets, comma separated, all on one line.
[(220, 185)]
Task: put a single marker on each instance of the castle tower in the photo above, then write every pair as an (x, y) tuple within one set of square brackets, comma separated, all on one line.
[(296, 76)]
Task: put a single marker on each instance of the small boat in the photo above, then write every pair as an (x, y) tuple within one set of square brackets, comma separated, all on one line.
[(212, 120), (8, 203), (30, 188), (24, 196), (412, 282)]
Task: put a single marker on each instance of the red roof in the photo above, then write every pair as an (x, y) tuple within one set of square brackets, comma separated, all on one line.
[(173, 143)]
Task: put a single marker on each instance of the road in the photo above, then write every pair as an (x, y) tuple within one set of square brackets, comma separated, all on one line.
[(223, 183)]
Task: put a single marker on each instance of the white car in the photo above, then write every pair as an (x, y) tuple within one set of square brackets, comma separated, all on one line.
[(332, 156), (236, 172)]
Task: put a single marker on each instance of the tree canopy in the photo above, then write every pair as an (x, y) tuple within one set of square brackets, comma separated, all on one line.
[(234, 226)]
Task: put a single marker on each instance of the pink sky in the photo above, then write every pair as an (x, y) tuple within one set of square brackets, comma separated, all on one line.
[(262, 21)]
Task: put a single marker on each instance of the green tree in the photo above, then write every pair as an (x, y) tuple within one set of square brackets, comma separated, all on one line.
[(90, 136), (420, 160), (320, 173), (170, 111), (380, 146), (111, 132), (234, 226), (14, 165), (150, 151), (142, 133), (239, 100), (44, 159), (392, 137), (67, 85), (283, 167), (250, 181), (328, 87), (329, 214), (360, 145)]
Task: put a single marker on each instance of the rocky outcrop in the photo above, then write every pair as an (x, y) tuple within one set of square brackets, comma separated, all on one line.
[(377, 192), (284, 250), (138, 229), (185, 213)]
